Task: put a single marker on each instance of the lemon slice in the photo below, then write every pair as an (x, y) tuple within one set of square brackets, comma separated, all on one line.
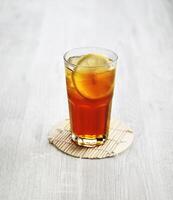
[(93, 60), (93, 77)]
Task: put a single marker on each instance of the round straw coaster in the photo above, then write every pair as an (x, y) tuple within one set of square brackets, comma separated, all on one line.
[(120, 138)]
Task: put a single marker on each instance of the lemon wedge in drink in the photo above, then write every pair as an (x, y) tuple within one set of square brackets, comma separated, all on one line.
[(93, 76), (93, 60)]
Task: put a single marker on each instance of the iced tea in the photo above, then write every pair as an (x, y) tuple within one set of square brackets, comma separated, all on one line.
[(90, 85)]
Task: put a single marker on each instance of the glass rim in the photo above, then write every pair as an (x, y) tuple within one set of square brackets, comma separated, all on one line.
[(114, 60)]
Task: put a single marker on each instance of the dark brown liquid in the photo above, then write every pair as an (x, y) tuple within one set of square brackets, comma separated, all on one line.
[(89, 115)]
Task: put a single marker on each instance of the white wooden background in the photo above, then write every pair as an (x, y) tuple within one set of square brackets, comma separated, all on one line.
[(34, 34)]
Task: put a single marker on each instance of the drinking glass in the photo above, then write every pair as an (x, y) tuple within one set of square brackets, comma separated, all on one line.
[(90, 77)]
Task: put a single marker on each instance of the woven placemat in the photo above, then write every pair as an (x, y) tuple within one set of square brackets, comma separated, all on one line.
[(120, 138)]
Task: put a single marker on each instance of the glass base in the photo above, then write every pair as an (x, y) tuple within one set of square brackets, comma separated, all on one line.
[(88, 142)]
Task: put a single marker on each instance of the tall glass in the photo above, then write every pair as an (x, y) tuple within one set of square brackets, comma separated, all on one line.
[(90, 74)]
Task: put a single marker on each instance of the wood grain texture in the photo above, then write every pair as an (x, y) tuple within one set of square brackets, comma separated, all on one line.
[(33, 37)]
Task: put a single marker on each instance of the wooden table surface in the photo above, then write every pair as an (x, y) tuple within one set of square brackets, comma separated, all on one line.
[(33, 38)]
